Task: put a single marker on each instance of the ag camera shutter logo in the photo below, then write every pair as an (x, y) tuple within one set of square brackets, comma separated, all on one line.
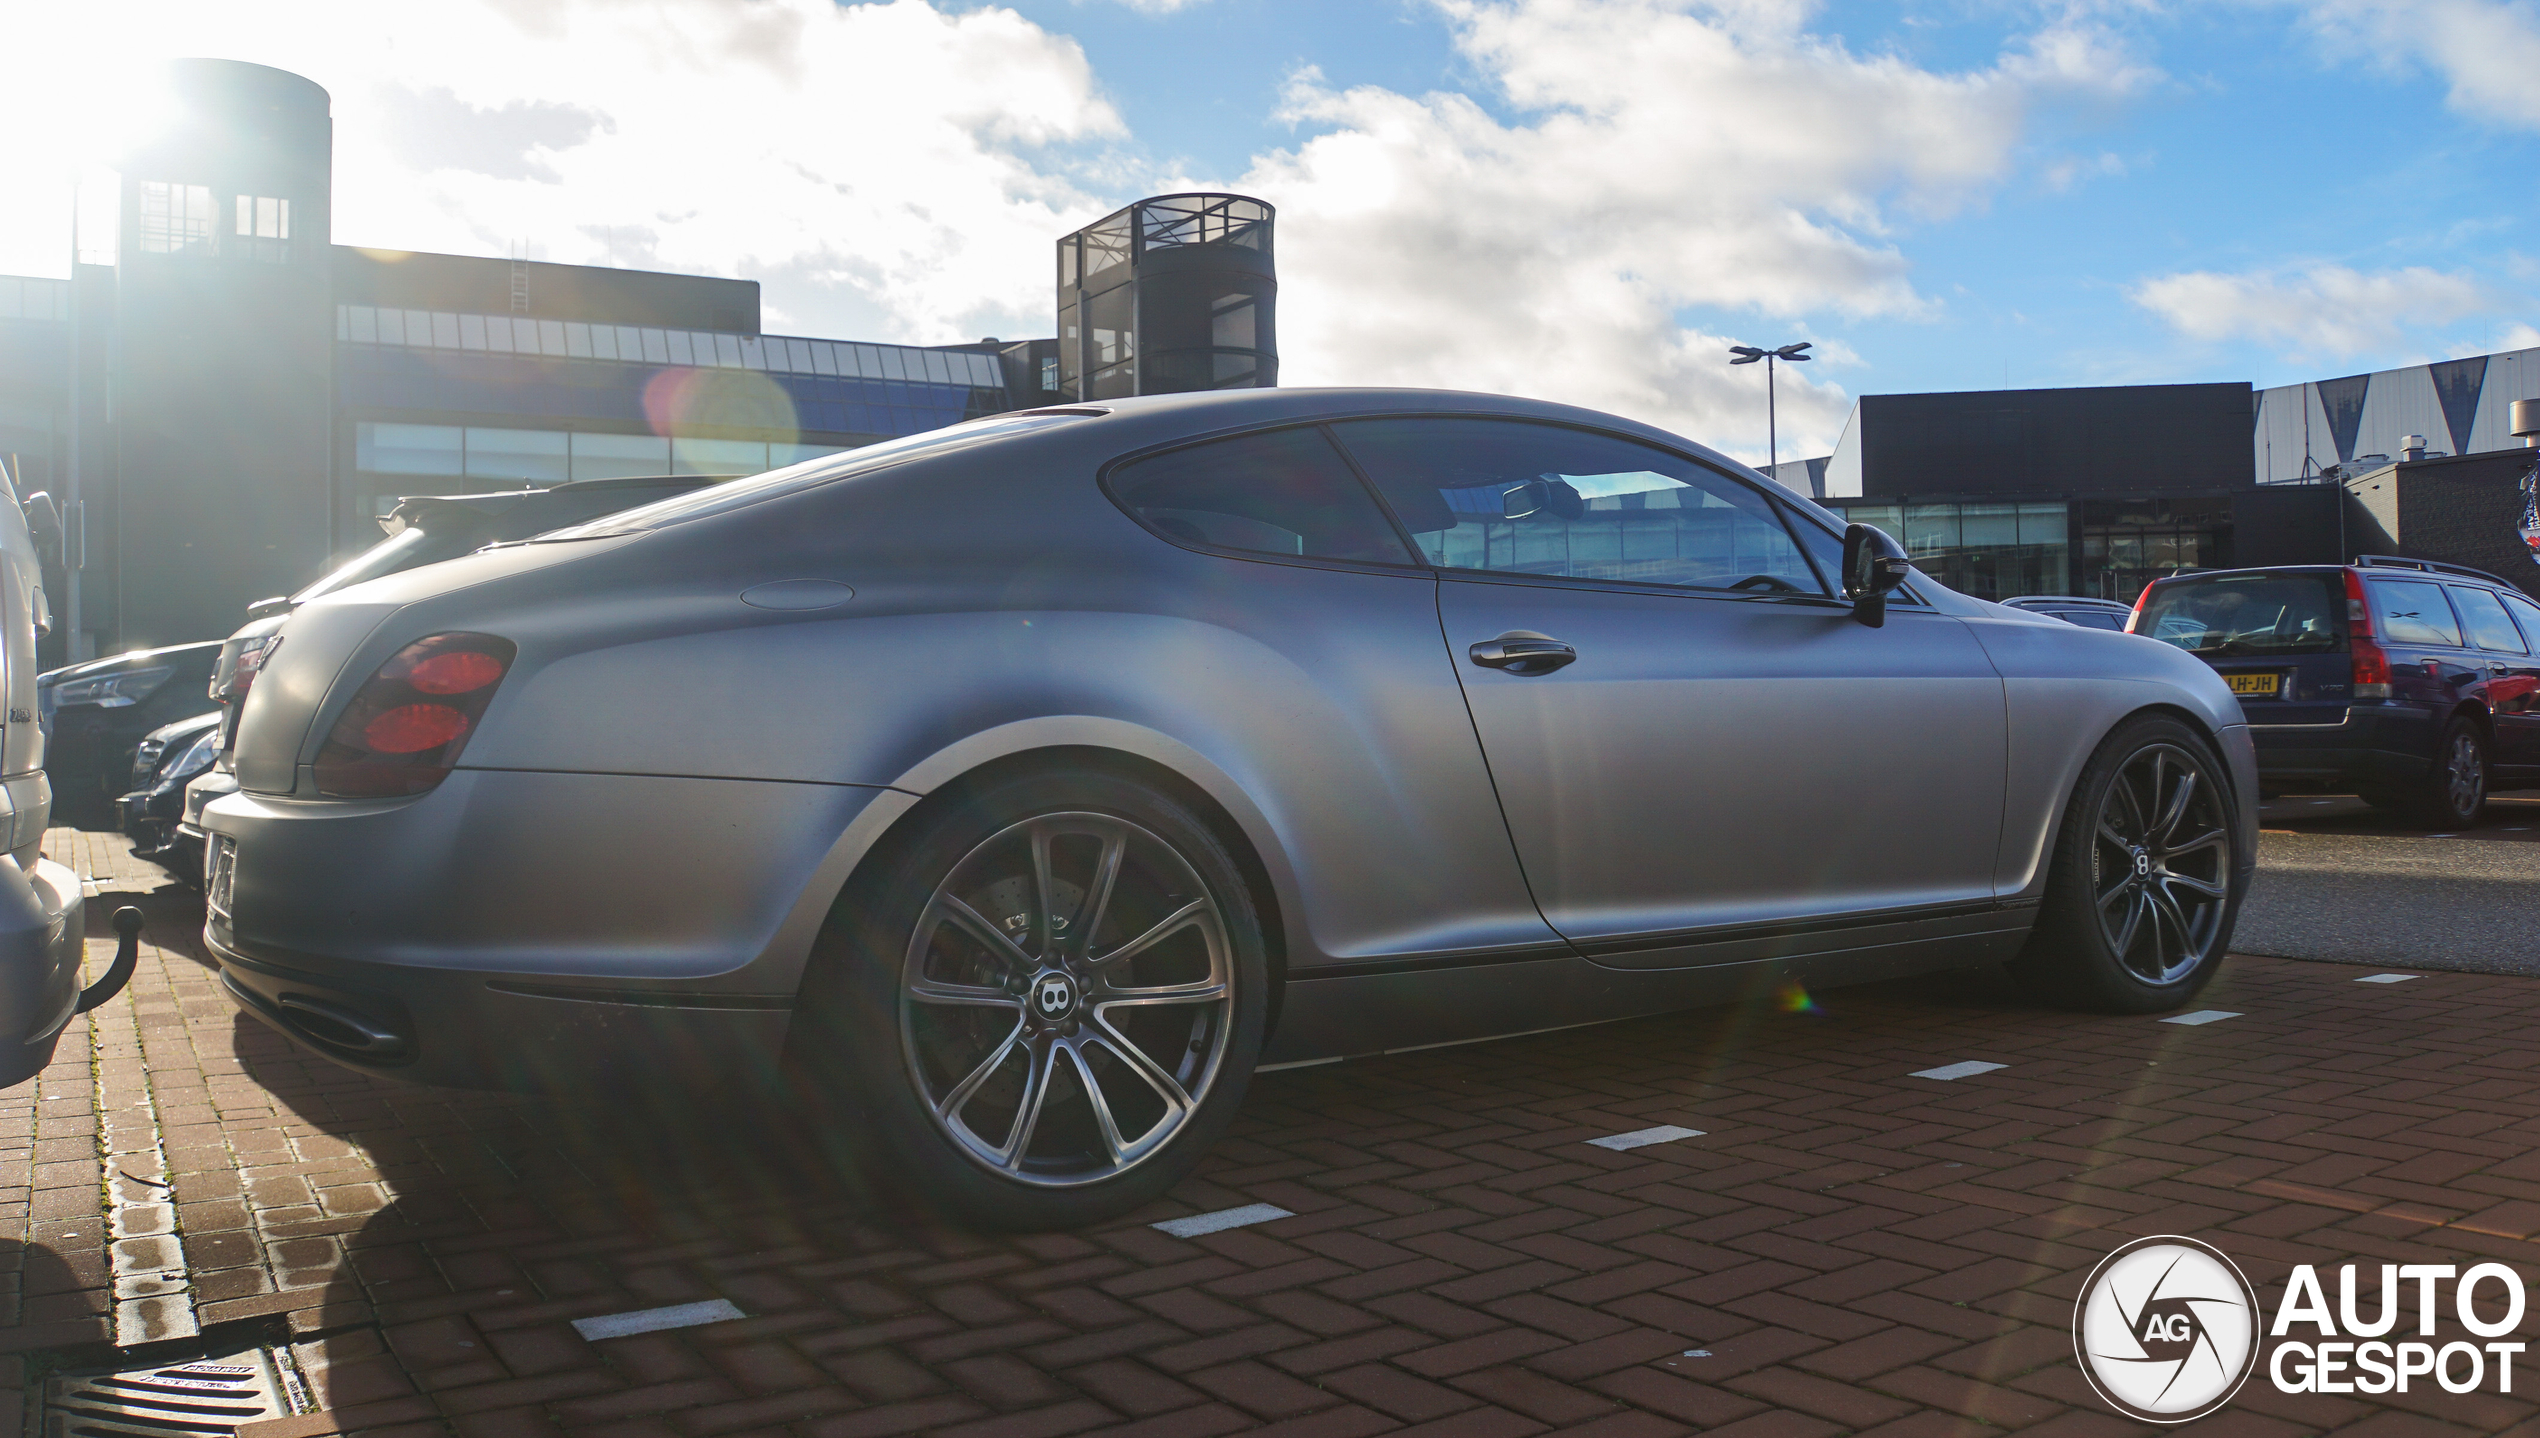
[(2166, 1329)]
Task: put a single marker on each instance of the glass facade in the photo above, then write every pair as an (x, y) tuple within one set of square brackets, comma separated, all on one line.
[(549, 456), (1992, 550), (639, 344), (2104, 548), (426, 360), (2126, 544)]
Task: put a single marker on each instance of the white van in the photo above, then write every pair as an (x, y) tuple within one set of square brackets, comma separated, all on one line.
[(42, 921)]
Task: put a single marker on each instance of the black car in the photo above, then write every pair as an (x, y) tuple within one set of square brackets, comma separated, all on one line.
[(95, 714), (2412, 684), (162, 766), (2073, 609)]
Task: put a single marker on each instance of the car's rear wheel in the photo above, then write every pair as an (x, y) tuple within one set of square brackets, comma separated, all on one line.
[(1042, 1007), (2142, 895), (2454, 794)]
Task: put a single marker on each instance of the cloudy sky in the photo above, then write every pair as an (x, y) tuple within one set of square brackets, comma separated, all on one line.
[(1580, 199)]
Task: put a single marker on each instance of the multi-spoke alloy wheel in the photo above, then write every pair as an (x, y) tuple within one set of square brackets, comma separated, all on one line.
[(2161, 863), (2145, 876), (1039, 1006), (1064, 1001)]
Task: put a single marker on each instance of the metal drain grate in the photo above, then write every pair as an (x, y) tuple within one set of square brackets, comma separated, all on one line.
[(206, 1398)]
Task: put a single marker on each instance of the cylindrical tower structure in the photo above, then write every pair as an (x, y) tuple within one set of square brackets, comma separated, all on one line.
[(222, 353), (1174, 293)]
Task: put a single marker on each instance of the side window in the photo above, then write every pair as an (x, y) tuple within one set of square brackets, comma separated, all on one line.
[(2484, 615), (2529, 613), (1287, 492), (2410, 612), (1518, 497)]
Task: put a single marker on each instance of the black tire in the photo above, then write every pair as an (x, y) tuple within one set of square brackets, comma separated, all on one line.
[(2453, 794), (2142, 891), (933, 1012)]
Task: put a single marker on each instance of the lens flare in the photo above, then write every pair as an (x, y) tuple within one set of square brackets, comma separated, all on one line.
[(1793, 999)]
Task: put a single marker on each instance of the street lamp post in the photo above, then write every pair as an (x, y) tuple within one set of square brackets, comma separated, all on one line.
[(1749, 354)]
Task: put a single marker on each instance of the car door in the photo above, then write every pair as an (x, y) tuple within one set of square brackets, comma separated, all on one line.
[(2513, 673), (1702, 756), (2429, 668)]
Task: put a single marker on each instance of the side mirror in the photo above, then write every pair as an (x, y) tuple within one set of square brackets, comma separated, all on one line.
[(1873, 565), (1552, 495), (44, 525)]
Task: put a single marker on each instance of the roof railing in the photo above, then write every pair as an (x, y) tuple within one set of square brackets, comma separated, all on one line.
[(2429, 566)]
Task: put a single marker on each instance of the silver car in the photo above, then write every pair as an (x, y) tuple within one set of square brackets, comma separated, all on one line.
[(1014, 792)]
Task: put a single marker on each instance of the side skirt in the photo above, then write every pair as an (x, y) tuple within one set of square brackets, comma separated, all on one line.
[(1366, 1014)]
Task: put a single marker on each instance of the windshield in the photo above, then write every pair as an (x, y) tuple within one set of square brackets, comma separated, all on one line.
[(2232, 614), (411, 548), (812, 473)]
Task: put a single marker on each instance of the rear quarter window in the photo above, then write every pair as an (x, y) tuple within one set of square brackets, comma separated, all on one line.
[(2230, 615), (1286, 493), (2484, 616), (2411, 612)]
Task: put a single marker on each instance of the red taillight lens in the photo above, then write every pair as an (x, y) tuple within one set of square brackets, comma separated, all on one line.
[(2134, 621), (2371, 669), (403, 731), (2371, 676)]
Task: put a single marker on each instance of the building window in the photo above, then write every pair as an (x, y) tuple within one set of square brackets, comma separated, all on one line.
[(1989, 550), (176, 219), (264, 227)]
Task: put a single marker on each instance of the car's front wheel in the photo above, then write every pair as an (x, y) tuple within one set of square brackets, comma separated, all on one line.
[(1042, 1007), (2142, 895)]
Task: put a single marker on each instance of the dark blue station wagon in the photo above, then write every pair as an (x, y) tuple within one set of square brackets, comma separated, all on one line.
[(2411, 684)]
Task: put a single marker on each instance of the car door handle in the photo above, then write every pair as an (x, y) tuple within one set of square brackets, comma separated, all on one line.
[(1522, 654)]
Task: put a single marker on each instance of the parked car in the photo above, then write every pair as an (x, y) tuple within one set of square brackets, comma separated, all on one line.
[(422, 529), (43, 922), (162, 765), (2412, 684), (1015, 790), (2073, 609), (95, 714)]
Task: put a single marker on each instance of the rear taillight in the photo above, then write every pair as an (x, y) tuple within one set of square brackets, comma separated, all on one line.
[(253, 656), (2134, 621), (403, 732), (2371, 678)]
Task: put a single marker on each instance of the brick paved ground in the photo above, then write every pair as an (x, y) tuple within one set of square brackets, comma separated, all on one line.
[(1856, 1250)]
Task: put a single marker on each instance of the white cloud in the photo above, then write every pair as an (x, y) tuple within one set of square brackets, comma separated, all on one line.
[(1668, 154), (2488, 50), (879, 165), (2322, 311)]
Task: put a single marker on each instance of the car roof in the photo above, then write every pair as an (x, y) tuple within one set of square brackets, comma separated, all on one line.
[(2378, 566)]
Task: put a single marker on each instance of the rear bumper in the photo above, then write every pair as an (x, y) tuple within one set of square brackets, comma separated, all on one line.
[(533, 932), (2374, 745), (525, 1033), (42, 932)]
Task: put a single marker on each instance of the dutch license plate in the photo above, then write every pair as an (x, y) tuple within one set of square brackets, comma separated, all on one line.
[(2263, 685)]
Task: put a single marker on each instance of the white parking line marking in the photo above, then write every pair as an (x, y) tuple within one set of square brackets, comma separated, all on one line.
[(654, 1320), (1221, 1220), (2388, 978), (1946, 1072), (1298, 1064), (1644, 1137), (2201, 1016)]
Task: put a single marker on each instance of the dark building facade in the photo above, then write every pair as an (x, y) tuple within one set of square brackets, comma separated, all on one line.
[(2055, 491), (2100, 491), (2460, 509), (1169, 295)]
